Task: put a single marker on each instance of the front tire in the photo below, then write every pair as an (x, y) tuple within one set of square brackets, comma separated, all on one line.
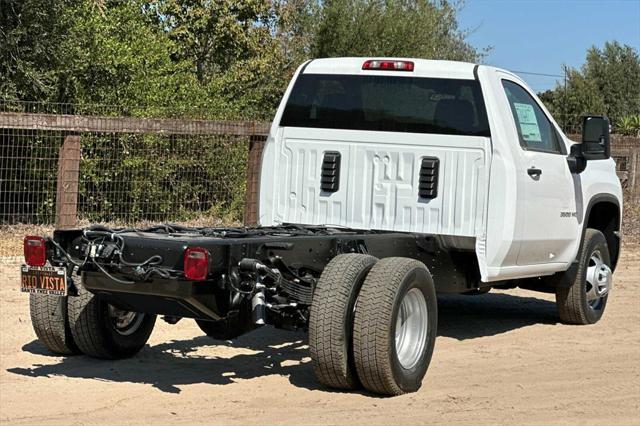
[(396, 321), (584, 299), (103, 331)]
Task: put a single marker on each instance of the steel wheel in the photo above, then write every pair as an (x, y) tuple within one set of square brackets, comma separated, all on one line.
[(125, 323), (598, 280), (411, 328)]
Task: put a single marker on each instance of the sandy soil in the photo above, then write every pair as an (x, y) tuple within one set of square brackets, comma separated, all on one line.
[(500, 358)]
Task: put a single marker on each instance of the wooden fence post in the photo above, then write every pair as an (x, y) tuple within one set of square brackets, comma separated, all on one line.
[(254, 161), (67, 188)]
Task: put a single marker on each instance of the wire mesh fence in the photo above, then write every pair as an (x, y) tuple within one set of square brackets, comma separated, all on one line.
[(129, 169), (161, 177), (28, 172)]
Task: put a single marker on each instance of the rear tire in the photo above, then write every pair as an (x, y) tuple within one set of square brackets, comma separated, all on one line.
[(578, 302), (395, 326), (331, 319), (50, 323), (103, 331)]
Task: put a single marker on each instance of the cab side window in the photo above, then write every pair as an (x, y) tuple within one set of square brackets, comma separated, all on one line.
[(534, 128)]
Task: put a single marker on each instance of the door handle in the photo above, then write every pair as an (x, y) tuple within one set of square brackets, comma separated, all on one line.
[(534, 172)]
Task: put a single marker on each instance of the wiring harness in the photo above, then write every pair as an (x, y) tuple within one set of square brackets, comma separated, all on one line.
[(104, 248)]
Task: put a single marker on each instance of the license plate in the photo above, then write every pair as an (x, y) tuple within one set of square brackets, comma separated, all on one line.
[(44, 280)]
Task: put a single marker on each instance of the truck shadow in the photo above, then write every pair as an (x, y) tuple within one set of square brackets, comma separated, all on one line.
[(175, 363), (465, 317), (267, 351)]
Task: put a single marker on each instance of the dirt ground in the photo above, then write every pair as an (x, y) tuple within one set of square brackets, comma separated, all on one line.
[(500, 358)]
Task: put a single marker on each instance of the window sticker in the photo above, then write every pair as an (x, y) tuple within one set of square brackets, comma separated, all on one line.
[(528, 122)]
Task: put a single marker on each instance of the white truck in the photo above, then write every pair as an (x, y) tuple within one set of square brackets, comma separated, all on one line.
[(383, 182)]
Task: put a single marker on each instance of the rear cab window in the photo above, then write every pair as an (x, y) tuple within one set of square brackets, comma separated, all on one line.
[(387, 103)]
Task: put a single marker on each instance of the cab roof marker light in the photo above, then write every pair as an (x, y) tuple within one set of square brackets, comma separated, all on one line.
[(387, 65)]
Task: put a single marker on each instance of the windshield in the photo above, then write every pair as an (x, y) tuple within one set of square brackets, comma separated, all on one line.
[(382, 103)]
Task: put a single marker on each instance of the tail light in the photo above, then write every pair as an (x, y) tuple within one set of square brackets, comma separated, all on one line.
[(196, 263), (387, 65), (35, 253)]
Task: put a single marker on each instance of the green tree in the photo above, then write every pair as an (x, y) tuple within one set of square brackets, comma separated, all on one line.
[(615, 71), (213, 35), (426, 29), (89, 52), (117, 56), (607, 83), (31, 52), (231, 48), (294, 24), (216, 59)]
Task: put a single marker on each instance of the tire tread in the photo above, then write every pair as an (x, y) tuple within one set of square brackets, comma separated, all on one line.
[(86, 316), (83, 314), (571, 300), (49, 319), (373, 322), (333, 297)]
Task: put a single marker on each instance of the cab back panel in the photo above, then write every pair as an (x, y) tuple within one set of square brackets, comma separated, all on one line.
[(379, 181)]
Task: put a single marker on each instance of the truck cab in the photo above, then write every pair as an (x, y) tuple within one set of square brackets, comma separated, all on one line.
[(464, 151)]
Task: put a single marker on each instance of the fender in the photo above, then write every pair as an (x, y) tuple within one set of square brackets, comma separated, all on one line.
[(614, 246), (566, 278)]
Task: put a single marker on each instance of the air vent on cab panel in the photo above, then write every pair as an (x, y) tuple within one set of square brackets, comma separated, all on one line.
[(330, 179), (428, 187)]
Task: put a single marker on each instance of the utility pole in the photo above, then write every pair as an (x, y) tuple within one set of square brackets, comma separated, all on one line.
[(564, 101)]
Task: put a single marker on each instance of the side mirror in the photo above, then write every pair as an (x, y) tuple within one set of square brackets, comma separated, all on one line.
[(595, 138), (575, 159)]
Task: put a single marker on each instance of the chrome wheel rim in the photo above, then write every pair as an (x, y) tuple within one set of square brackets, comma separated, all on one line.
[(598, 280), (412, 327), (125, 323)]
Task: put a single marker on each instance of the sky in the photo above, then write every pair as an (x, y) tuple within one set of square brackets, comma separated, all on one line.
[(540, 36)]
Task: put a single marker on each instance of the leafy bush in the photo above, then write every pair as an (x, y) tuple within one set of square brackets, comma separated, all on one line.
[(628, 125), (162, 178)]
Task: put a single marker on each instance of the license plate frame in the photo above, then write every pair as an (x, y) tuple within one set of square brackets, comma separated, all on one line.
[(50, 280)]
